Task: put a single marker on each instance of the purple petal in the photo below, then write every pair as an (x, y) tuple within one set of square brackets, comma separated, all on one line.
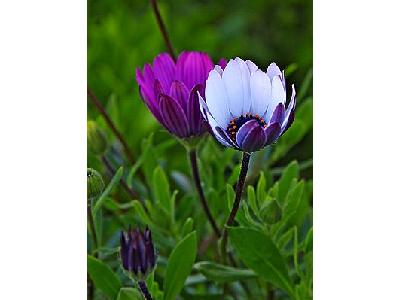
[(222, 63), (152, 106), (180, 93), (174, 116), (251, 136), (272, 132), (146, 81), (193, 68), (158, 89), (289, 114), (222, 134), (164, 70), (193, 111), (278, 115)]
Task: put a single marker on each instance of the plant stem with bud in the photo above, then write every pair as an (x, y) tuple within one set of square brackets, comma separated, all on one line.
[(236, 203), (145, 292)]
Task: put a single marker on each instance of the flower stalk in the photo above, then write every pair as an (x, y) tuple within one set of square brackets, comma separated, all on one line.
[(145, 291), (196, 177), (111, 124), (236, 203), (163, 29)]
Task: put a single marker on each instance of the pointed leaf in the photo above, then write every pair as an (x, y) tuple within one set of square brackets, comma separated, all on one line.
[(179, 266), (221, 273)]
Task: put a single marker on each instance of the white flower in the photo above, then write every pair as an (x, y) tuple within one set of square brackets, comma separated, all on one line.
[(246, 106)]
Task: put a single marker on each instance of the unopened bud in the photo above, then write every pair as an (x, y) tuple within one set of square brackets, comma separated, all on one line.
[(96, 138), (137, 253), (95, 184)]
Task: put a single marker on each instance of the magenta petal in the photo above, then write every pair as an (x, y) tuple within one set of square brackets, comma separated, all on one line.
[(193, 68), (251, 136), (158, 90), (272, 132), (146, 81), (164, 70), (180, 93), (193, 111), (174, 116), (151, 105), (222, 63)]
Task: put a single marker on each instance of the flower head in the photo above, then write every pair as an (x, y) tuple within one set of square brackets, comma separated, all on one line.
[(137, 252), (170, 91), (245, 106)]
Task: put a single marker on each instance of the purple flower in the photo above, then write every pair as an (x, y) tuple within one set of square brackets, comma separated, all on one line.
[(246, 106), (170, 90), (137, 252)]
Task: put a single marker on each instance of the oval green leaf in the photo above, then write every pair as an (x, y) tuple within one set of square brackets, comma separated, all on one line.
[(260, 254), (103, 277)]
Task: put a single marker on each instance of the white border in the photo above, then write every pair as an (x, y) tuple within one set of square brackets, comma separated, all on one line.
[(356, 143), (43, 149)]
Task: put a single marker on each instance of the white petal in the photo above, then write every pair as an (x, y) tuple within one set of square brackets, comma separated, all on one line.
[(213, 125), (252, 66), (278, 95), (260, 87), (273, 70), (232, 78), (245, 71), (216, 99), (218, 69)]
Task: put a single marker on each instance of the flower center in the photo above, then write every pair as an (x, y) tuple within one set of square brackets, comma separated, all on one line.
[(238, 122)]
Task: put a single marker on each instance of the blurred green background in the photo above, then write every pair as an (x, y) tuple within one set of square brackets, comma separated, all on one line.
[(123, 35)]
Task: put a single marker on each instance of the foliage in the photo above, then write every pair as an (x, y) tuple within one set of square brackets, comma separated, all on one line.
[(272, 237)]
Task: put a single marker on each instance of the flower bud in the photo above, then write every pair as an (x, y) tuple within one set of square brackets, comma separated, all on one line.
[(95, 184), (271, 212), (96, 138), (137, 253)]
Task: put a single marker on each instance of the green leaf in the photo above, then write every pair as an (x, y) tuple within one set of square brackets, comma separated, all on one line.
[(261, 185), (305, 85), (187, 227), (114, 181), (147, 144), (251, 196), (301, 125), (103, 277), (179, 266), (221, 273), (161, 190), (308, 241), (259, 253), (230, 194), (293, 199), (291, 172), (129, 294)]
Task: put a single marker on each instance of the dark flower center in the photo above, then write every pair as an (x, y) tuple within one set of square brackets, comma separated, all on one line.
[(238, 122)]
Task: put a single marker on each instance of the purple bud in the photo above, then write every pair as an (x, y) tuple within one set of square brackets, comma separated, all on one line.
[(138, 256)]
